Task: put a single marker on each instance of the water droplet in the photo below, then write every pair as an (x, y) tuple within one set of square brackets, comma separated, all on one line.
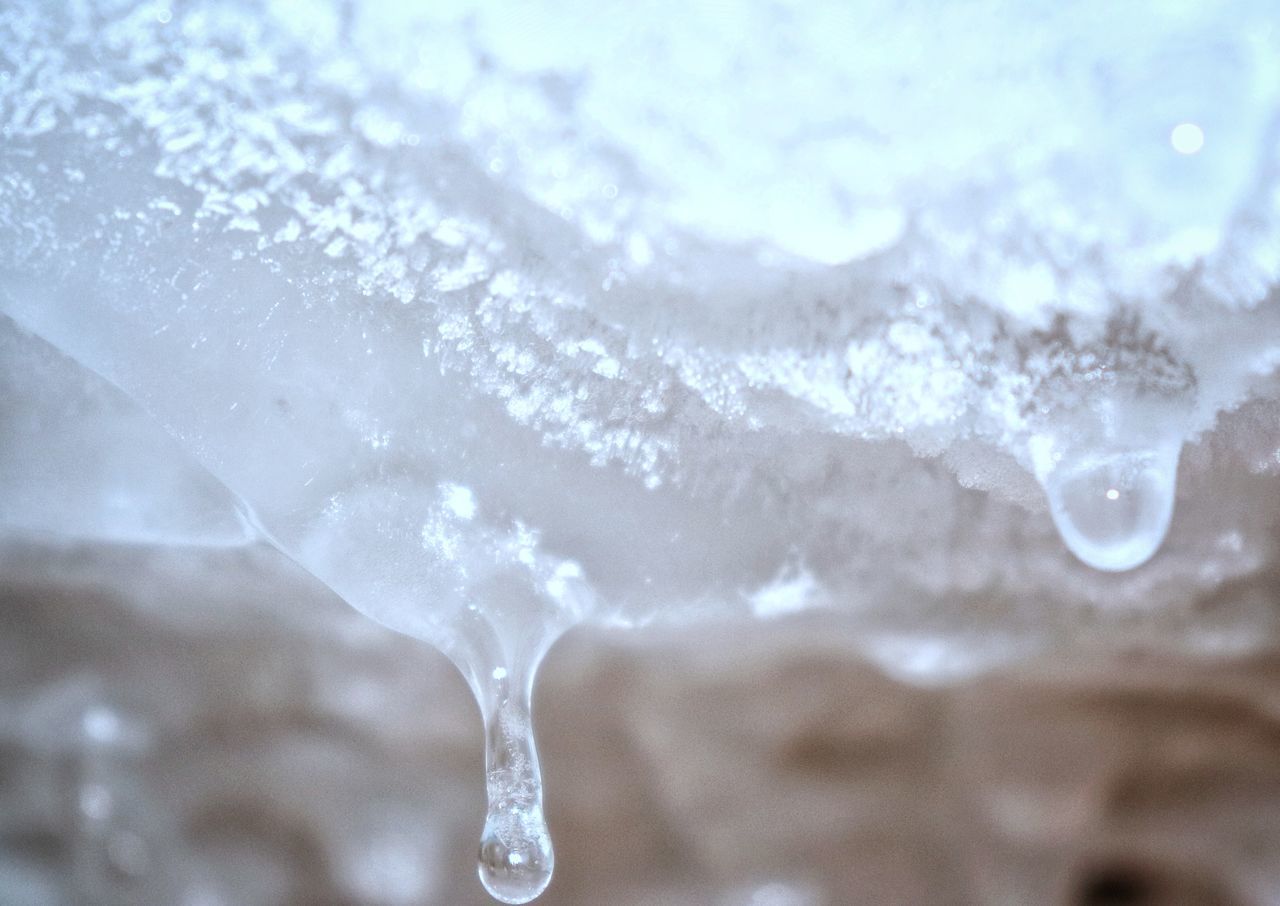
[(516, 859), (1112, 508)]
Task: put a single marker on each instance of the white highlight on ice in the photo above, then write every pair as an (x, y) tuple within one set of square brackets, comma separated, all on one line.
[(459, 500)]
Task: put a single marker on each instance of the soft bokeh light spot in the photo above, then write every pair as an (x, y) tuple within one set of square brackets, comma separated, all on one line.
[(1187, 138)]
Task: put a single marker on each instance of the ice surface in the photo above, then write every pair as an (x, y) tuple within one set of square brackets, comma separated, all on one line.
[(79, 460), (501, 320)]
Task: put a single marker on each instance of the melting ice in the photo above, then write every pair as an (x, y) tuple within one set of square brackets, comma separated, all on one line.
[(498, 326), (1113, 508)]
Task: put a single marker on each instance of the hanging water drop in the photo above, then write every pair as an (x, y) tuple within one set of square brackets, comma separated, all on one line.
[(516, 859), (1112, 508)]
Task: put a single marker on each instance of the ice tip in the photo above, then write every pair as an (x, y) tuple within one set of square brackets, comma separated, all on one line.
[(1113, 509), (519, 870)]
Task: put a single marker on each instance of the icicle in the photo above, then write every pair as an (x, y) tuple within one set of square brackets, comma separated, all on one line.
[(516, 859)]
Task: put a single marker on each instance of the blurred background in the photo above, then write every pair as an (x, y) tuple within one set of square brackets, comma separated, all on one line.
[(200, 728)]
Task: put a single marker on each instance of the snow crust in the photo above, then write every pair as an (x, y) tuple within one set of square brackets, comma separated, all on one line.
[(503, 320)]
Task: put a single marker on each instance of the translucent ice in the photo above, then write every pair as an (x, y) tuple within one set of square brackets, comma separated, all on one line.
[(516, 859), (1113, 507), (79, 460), (1109, 468), (498, 327)]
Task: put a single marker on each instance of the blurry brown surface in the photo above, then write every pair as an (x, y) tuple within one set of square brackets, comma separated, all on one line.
[(196, 728)]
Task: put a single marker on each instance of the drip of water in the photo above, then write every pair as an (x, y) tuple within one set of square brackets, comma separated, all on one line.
[(516, 859), (1113, 507)]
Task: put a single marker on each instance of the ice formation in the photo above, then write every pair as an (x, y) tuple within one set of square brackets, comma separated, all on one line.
[(500, 320)]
